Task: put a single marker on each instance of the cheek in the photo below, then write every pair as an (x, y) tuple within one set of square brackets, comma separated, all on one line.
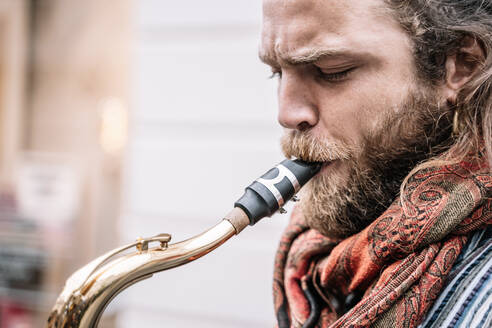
[(351, 110), (346, 112), (341, 122), (384, 100)]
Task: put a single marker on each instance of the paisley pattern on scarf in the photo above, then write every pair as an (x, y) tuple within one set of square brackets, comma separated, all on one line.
[(397, 265)]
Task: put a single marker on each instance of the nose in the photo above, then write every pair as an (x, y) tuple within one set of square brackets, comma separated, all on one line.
[(297, 108)]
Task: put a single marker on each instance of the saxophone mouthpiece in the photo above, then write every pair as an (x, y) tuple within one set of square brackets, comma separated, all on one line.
[(272, 190)]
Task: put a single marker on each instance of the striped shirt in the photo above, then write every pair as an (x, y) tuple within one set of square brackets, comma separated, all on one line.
[(466, 300)]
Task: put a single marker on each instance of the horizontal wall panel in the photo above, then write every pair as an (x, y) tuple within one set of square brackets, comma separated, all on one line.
[(181, 178), (212, 83), (162, 12)]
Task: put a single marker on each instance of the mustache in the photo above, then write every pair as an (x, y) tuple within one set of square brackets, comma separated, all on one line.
[(304, 146)]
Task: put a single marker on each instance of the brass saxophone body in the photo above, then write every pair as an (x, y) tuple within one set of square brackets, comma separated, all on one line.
[(90, 289)]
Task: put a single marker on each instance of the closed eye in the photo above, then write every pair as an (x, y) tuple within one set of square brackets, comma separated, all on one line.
[(328, 77), (335, 76)]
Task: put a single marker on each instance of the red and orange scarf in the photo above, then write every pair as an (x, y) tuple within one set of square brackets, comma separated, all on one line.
[(389, 274)]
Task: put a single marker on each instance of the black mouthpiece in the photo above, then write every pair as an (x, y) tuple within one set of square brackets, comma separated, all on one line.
[(273, 189)]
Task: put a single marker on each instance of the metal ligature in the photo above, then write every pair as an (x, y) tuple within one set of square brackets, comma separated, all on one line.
[(90, 289)]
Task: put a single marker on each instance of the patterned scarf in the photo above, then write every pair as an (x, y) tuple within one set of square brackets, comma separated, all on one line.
[(389, 274)]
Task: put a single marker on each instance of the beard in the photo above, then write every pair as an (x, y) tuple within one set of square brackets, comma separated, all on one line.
[(340, 207)]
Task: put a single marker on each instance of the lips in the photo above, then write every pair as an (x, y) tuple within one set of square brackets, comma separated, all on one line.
[(325, 164)]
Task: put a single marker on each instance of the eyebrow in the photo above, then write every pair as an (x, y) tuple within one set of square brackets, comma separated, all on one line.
[(303, 57)]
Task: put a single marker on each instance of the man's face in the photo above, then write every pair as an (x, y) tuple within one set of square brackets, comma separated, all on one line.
[(345, 72)]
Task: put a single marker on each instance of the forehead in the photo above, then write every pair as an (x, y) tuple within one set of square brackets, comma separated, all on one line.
[(291, 26)]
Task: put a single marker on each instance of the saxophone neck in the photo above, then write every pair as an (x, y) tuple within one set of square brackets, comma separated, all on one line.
[(89, 290)]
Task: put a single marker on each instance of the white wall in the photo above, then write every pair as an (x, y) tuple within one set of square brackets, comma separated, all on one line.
[(203, 127)]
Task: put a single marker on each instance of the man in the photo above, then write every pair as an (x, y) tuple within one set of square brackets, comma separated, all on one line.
[(395, 98)]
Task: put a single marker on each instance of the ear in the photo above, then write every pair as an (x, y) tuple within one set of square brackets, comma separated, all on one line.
[(462, 66)]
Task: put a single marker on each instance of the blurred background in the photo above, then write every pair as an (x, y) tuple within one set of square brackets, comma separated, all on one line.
[(128, 118)]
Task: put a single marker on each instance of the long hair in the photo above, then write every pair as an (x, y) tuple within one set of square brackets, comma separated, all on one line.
[(438, 28)]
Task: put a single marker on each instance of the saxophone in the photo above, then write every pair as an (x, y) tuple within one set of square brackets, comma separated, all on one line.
[(90, 289)]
